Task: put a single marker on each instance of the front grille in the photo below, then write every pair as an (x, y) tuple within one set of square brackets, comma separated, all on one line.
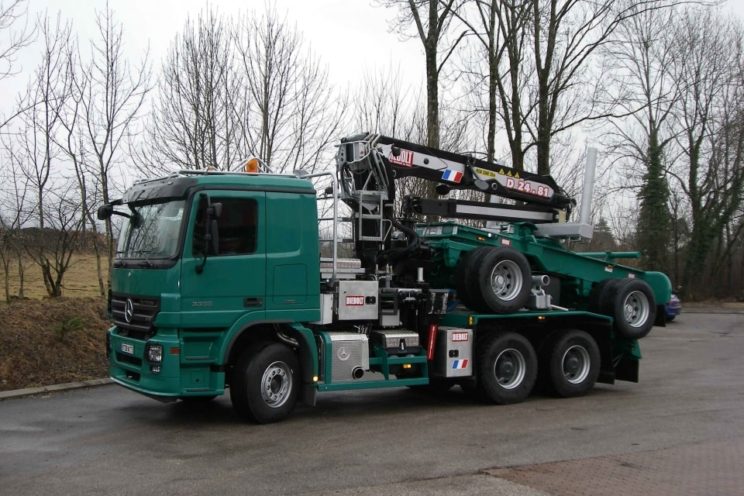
[(140, 324), (121, 357)]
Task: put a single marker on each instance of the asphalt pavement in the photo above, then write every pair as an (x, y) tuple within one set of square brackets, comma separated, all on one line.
[(679, 431)]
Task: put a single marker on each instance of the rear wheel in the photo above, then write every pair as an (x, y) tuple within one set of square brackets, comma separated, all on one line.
[(633, 308), (466, 272), (503, 281), (600, 299), (507, 369), (572, 361), (265, 383)]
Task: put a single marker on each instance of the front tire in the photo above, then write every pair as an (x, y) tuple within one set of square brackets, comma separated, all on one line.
[(572, 361), (265, 383), (507, 369)]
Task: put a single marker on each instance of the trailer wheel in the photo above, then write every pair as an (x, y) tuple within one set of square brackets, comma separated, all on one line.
[(503, 281), (600, 298), (265, 383), (507, 369), (633, 308), (572, 361), (465, 273)]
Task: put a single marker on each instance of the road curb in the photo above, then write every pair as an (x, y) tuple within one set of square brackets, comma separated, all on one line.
[(54, 388)]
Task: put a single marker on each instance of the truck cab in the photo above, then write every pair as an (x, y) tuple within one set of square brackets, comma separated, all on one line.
[(196, 268)]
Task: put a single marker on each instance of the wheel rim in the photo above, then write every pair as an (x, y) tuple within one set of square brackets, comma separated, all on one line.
[(276, 384), (506, 280), (576, 364), (510, 368), (636, 308)]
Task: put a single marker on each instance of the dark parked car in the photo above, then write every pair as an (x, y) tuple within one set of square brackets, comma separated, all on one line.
[(673, 307)]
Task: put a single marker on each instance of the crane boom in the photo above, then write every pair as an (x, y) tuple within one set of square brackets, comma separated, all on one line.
[(372, 160)]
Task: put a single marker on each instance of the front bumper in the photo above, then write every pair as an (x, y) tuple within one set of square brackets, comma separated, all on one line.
[(129, 367)]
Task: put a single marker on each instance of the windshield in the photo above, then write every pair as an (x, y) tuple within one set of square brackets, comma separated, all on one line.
[(152, 233)]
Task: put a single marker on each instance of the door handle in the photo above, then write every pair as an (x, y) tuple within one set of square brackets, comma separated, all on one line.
[(252, 302)]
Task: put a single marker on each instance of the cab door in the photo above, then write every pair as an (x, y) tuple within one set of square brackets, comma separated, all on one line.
[(231, 282)]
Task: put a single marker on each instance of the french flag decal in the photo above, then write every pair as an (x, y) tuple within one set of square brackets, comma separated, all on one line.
[(452, 176), (460, 364)]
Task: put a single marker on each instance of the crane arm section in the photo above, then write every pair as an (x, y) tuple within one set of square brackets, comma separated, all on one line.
[(376, 161)]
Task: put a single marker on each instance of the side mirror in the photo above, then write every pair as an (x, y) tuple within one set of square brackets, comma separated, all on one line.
[(105, 211)]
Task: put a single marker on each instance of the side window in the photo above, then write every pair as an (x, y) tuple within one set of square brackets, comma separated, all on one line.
[(237, 226)]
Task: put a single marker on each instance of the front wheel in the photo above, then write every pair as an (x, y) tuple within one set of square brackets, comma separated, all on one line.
[(572, 363), (265, 383), (507, 369)]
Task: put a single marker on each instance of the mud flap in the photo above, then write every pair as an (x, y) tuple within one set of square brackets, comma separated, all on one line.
[(627, 369), (660, 316)]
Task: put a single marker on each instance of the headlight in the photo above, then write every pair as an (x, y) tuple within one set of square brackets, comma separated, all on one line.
[(154, 353)]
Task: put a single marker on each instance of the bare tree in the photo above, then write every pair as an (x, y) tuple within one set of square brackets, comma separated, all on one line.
[(15, 34), (382, 105), (541, 58), (52, 248), (48, 92), (499, 29), (711, 131), (646, 92), (105, 101), (709, 120), (14, 217), (193, 125), (288, 111), (431, 20)]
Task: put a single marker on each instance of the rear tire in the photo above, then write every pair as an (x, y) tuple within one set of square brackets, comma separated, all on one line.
[(633, 308), (600, 298), (572, 363), (265, 383), (506, 368), (502, 281), (465, 273)]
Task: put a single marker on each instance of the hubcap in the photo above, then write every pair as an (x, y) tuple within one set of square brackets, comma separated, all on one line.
[(276, 384), (506, 280), (509, 368), (576, 364), (636, 308)]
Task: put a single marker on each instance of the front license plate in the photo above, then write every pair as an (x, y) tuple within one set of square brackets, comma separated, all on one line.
[(127, 348)]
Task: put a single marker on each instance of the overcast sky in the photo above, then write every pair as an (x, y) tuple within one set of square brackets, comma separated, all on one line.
[(350, 36)]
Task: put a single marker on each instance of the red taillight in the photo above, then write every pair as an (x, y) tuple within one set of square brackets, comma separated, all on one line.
[(432, 341)]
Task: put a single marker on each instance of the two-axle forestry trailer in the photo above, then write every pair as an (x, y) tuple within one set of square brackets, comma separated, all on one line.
[(220, 281)]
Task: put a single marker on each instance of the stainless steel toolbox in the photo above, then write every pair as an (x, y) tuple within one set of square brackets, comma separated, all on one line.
[(358, 300), (397, 342), (454, 352)]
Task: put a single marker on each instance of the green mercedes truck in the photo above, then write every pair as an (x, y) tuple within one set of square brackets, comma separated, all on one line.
[(234, 281)]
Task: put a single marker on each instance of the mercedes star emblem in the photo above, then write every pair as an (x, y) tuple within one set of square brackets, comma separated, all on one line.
[(128, 310)]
